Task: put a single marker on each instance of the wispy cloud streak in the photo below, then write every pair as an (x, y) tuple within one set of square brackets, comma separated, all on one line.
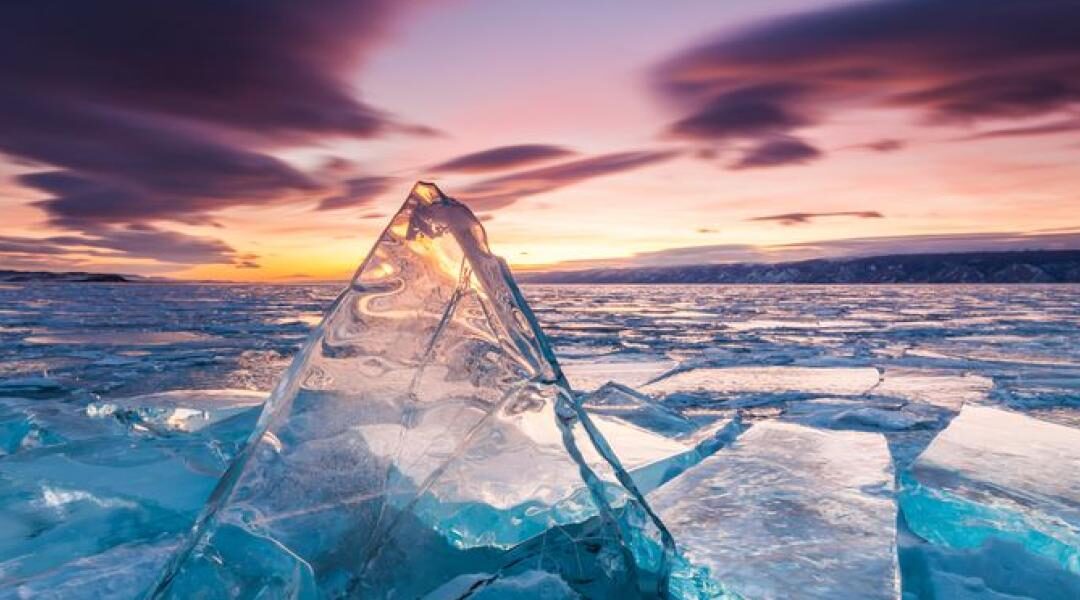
[(802, 218), (503, 157), (502, 191)]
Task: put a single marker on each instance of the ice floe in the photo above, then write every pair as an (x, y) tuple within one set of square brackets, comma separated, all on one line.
[(788, 511), (998, 474)]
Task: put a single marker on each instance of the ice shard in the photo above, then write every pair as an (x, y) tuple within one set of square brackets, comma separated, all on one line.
[(619, 401), (424, 433), (653, 442), (67, 502), (177, 410), (999, 476), (790, 512)]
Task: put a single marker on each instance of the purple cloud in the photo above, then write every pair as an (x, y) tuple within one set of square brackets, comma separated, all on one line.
[(774, 153), (150, 110), (802, 218), (953, 62), (504, 190), (117, 243), (503, 157), (746, 112), (886, 145), (360, 191), (1054, 128)]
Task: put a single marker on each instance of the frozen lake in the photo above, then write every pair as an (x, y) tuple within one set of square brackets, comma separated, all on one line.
[(836, 363), (1021, 343)]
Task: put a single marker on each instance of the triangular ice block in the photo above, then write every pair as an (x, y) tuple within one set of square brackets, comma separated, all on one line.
[(423, 437)]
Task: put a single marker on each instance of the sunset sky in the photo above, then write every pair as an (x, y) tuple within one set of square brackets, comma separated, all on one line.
[(271, 140)]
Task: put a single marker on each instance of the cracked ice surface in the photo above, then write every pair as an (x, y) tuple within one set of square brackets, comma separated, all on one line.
[(995, 474), (423, 433), (941, 389), (790, 512)]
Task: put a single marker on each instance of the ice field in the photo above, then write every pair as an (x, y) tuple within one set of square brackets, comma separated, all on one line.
[(436, 440)]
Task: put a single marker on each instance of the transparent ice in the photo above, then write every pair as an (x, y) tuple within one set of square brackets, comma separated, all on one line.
[(996, 475), (424, 432)]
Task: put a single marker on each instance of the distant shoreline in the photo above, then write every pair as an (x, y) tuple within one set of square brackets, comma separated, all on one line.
[(11, 276), (961, 268)]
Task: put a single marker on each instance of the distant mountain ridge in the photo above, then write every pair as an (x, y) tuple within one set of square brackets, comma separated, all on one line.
[(1029, 266), (8, 276), (1026, 266)]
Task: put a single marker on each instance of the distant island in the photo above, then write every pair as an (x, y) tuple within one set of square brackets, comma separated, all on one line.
[(66, 277), (1029, 266)]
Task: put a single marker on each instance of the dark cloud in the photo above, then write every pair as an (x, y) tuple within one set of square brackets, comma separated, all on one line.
[(503, 157), (360, 191), (162, 110), (115, 243), (954, 62), (746, 112), (261, 67), (502, 191), (779, 152), (803, 218)]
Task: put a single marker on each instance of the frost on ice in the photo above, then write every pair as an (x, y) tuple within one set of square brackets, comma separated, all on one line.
[(425, 433)]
